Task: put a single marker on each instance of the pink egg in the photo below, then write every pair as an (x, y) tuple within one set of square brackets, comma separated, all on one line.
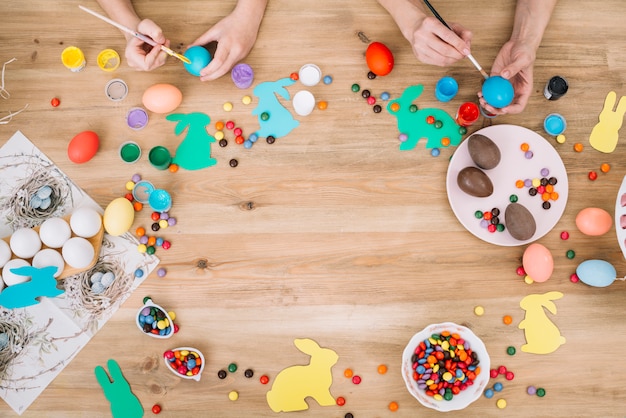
[(594, 221), (538, 262), (162, 98), (83, 147)]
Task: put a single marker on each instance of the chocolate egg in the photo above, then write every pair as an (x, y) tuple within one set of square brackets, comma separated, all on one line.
[(474, 182), (519, 221), (484, 152)]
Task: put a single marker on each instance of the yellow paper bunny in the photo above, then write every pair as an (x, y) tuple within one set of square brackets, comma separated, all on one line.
[(604, 135), (542, 336)]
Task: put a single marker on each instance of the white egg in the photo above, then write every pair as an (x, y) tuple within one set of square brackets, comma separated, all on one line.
[(25, 242), (5, 252), (2, 286), (85, 222), (54, 232), (11, 278), (49, 257), (78, 252)]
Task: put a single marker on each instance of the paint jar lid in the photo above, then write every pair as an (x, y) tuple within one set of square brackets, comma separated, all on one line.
[(142, 191), (303, 102), (160, 200), (108, 60), (116, 90), (137, 118), (310, 74)]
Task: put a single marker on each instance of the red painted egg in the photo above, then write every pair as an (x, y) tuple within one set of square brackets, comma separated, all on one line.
[(83, 147), (379, 58)]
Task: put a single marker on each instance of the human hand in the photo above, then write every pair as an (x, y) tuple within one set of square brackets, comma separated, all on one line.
[(515, 63), (235, 36), (142, 56), (433, 43)]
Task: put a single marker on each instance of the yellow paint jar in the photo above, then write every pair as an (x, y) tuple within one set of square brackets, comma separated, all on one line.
[(73, 58), (108, 60)]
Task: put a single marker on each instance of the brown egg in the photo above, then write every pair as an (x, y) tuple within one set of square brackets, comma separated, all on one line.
[(519, 221), (483, 151), (474, 182)]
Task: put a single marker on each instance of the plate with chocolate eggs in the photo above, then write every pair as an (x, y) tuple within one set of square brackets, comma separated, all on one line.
[(507, 185)]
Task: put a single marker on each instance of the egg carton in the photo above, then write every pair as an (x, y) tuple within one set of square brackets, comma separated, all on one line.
[(620, 217)]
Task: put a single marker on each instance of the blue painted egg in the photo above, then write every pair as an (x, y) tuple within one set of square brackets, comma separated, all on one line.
[(597, 273), (498, 92), (199, 57)]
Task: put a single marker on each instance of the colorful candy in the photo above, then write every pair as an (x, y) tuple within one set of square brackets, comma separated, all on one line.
[(444, 365), (185, 361), (154, 321)]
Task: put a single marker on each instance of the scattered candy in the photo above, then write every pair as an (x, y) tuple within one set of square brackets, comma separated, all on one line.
[(161, 272), (222, 374), (531, 390), (574, 278), (479, 311), (264, 380), (510, 351), (564, 235), (393, 406), (248, 373), (233, 163), (228, 106), (232, 367), (507, 320), (593, 175), (570, 254), (382, 369), (356, 380), (501, 403), (489, 393), (541, 392), (348, 373), (55, 102), (498, 387), (605, 168), (327, 79), (578, 147), (156, 409), (341, 401), (139, 273), (560, 139), (233, 395)]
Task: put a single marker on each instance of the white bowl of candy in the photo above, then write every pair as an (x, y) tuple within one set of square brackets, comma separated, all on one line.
[(445, 366)]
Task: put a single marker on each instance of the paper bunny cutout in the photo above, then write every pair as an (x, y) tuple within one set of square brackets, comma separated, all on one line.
[(604, 135), (124, 404), (542, 336)]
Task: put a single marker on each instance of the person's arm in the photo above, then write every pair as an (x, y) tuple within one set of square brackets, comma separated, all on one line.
[(432, 42), (516, 59), (138, 54), (235, 36)]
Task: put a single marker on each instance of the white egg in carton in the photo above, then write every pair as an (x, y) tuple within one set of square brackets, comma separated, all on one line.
[(71, 243), (620, 217)]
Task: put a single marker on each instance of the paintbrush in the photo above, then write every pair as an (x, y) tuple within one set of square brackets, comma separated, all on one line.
[(137, 35), (469, 56)]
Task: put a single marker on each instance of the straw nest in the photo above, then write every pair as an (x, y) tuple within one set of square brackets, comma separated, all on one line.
[(17, 206), (15, 336), (82, 298)]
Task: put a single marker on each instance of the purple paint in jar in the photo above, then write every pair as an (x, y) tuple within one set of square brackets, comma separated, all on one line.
[(242, 75)]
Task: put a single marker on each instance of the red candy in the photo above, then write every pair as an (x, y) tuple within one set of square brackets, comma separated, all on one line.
[(156, 409), (264, 380), (55, 102), (155, 216)]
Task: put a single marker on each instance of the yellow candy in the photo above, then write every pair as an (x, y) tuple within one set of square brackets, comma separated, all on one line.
[(536, 182), (163, 223), (560, 139), (429, 382), (219, 135), (246, 100), (438, 397), (447, 376), (479, 311), (142, 248), (435, 368), (233, 396), (184, 353), (528, 280), (172, 315), (130, 185), (228, 106), (161, 324), (501, 403), (445, 345)]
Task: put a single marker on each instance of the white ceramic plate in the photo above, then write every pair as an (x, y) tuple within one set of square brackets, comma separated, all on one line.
[(620, 212), (513, 166), (471, 393)]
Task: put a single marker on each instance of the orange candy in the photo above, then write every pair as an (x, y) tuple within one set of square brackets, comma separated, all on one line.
[(322, 105), (140, 231), (519, 184), (348, 373), (393, 406), (219, 125), (445, 141), (578, 147), (137, 206), (394, 107), (605, 168), (173, 168), (524, 147), (382, 369), (507, 319)]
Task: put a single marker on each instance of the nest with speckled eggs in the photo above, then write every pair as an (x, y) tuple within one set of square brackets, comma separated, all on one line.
[(13, 338)]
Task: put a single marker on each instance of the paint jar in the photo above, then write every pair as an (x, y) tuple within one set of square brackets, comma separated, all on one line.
[(137, 118), (160, 200), (116, 90), (554, 124), (487, 114), (467, 114), (160, 157), (309, 75), (108, 60), (73, 59), (130, 152), (242, 75), (555, 88), (446, 89)]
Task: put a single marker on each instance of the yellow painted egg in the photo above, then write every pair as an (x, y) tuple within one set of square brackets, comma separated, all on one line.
[(594, 221), (162, 98), (118, 216)]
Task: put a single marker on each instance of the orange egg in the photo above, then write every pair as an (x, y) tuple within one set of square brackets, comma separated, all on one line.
[(379, 58), (594, 221), (83, 147), (162, 98)]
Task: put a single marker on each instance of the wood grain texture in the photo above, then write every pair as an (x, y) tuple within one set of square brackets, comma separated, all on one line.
[(331, 233)]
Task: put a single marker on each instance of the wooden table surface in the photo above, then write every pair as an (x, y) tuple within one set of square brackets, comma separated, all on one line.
[(331, 233)]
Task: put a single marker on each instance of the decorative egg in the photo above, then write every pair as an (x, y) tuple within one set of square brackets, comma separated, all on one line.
[(538, 262), (5, 252), (162, 98), (594, 221), (199, 57), (519, 222), (54, 232), (49, 257), (597, 273), (118, 216), (483, 151), (11, 278), (474, 182), (83, 147), (85, 222), (379, 58), (25, 242), (498, 91), (78, 252)]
